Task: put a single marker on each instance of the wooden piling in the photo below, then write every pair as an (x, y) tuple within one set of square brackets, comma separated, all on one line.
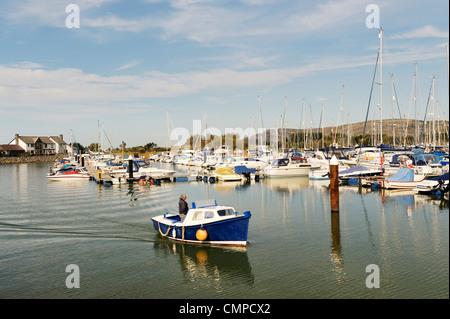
[(334, 184), (130, 170)]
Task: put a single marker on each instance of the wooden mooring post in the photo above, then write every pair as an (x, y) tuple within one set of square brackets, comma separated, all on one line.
[(130, 170), (334, 184)]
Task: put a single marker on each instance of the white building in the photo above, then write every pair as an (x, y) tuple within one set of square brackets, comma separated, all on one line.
[(41, 145)]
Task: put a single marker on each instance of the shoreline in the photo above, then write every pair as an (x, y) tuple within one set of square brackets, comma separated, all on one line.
[(31, 159)]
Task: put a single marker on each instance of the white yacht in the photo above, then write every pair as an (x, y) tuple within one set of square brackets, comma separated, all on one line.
[(289, 166)]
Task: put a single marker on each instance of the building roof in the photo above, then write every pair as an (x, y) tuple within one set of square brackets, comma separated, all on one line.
[(42, 139), (57, 139), (28, 139), (11, 147), (46, 140)]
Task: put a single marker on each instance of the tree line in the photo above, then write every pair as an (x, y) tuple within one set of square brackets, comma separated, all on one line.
[(149, 147)]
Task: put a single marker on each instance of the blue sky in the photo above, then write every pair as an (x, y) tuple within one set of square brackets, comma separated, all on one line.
[(132, 61)]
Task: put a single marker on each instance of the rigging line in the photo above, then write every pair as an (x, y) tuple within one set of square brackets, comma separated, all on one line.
[(368, 106), (425, 115), (318, 134), (398, 106), (107, 138), (409, 113)]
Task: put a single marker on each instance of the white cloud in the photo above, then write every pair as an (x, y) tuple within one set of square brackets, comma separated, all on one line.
[(202, 21), (44, 13), (129, 65), (27, 65), (329, 14), (115, 23), (427, 31), (27, 84)]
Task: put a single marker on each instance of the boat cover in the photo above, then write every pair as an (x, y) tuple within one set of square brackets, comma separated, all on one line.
[(403, 175), (243, 169), (354, 169), (225, 171)]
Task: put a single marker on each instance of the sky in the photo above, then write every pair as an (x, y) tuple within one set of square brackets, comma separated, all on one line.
[(141, 68)]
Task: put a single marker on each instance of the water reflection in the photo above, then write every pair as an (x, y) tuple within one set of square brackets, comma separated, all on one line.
[(287, 185), (214, 267), (336, 248)]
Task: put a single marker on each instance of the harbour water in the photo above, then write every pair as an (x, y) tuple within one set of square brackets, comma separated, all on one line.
[(297, 249)]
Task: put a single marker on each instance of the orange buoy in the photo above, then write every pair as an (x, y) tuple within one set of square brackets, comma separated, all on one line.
[(202, 256), (201, 234)]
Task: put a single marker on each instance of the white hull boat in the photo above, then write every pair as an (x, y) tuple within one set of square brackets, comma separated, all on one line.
[(72, 175), (288, 167)]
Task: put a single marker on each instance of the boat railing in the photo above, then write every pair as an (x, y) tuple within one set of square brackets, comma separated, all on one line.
[(204, 203)]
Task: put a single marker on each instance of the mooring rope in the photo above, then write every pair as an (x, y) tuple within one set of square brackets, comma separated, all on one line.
[(159, 228), (168, 229)]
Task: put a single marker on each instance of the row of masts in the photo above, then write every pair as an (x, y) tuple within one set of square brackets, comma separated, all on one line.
[(429, 132)]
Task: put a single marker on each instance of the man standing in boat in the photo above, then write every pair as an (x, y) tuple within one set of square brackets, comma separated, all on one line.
[(183, 206)]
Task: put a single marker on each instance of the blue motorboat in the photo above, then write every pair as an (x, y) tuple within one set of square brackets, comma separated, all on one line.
[(206, 223)]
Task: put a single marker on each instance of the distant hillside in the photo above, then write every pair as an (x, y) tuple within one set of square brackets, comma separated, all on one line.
[(356, 129)]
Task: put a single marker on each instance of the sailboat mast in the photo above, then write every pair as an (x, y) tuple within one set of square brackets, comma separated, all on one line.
[(98, 133), (392, 100), (434, 118), (323, 135), (447, 66), (416, 123), (381, 85), (341, 118), (284, 123), (448, 82), (303, 125)]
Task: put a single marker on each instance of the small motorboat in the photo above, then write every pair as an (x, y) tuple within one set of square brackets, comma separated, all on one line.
[(289, 166), (319, 174), (434, 185), (359, 171), (75, 174), (227, 174), (405, 178), (205, 223)]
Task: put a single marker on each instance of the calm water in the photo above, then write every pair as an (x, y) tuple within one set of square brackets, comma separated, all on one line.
[(297, 249)]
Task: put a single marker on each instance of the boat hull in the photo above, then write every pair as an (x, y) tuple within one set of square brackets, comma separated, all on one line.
[(228, 178), (318, 175), (399, 185), (286, 172), (69, 178), (232, 231)]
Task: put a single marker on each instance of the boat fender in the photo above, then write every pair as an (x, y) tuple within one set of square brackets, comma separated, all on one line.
[(201, 234)]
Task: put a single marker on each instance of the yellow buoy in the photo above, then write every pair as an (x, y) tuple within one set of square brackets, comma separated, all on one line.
[(201, 234), (202, 256)]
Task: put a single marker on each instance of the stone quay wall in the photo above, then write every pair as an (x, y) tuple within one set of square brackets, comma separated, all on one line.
[(31, 159)]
